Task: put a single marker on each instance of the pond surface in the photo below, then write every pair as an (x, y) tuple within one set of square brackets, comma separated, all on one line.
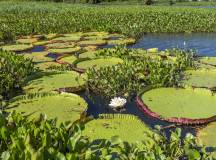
[(204, 43)]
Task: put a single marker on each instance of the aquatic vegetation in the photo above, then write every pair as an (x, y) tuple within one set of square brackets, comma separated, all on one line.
[(186, 106), (200, 78), (129, 20), (67, 38), (66, 59), (46, 65), (206, 137), (152, 50), (64, 106), (88, 54), (69, 81), (96, 42), (16, 47), (38, 57), (60, 45), (66, 141), (27, 40), (65, 50), (14, 70), (122, 41), (108, 125), (208, 61), (84, 64)]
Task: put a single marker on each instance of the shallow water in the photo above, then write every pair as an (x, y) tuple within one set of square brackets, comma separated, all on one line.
[(204, 43)]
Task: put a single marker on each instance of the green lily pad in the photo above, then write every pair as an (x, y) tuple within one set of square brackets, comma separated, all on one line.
[(90, 48), (152, 50), (180, 105), (95, 33), (200, 78), (50, 36), (41, 43), (46, 65), (89, 54), (96, 42), (67, 38), (64, 107), (17, 47), (67, 59), (60, 45), (97, 37), (70, 81), (206, 137), (64, 50), (27, 40), (122, 41), (208, 60), (98, 63), (109, 125), (38, 56)]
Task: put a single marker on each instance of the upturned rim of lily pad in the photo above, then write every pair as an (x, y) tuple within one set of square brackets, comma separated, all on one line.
[(183, 121)]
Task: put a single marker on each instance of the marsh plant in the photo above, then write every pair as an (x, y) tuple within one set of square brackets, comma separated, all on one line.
[(42, 138), (137, 72), (14, 70)]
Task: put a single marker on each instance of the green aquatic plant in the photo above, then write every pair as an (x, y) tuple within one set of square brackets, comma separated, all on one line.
[(21, 138), (65, 50), (27, 40), (60, 45), (46, 65), (49, 81), (63, 106), (66, 59), (122, 41), (96, 42), (186, 106), (38, 57), (16, 47), (14, 70)]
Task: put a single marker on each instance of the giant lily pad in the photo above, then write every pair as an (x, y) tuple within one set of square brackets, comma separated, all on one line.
[(67, 38), (122, 41), (27, 40), (47, 65), (38, 56), (64, 107), (98, 63), (206, 137), (200, 78), (186, 106), (208, 60), (89, 54), (60, 45), (70, 81), (109, 125), (65, 50), (17, 47), (97, 42), (66, 59)]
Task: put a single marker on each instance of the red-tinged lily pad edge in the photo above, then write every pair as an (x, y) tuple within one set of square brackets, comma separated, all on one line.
[(183, 121)]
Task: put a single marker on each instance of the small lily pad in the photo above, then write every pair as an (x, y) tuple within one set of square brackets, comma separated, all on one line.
[(93, 42), (17, 47), (65, 50), (27, 40)]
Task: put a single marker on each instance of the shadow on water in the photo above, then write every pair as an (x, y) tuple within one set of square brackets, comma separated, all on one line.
[(97, 104)]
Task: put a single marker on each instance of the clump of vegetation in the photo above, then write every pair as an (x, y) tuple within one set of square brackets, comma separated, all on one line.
[(14, 70), (43, 139), (138, 71)]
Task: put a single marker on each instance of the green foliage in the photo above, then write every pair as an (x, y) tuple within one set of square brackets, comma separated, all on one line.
[(36, 18), (42, 139), (14, 70), (138, 71)]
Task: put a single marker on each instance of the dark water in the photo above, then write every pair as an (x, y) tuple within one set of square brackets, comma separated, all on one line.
[(97, 104), (204, 43)]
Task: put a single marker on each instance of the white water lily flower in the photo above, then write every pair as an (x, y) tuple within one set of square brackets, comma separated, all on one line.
[(117, 102)]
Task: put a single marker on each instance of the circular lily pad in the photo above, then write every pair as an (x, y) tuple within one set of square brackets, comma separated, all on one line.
[(93, 42), (51, 36), (90, 48), (41, 43), (97, 63), (38, 56), (200, 78), (69, 81), (109, 125), (206, 137), (67, 38), (47, 65), (64, 107), (17, 47), (122, 41), (208, 60), (64, 50), (185, 106), (27, 40), (152, 50), (60, 45), (89, 54), (95, 33), (66, 59)]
